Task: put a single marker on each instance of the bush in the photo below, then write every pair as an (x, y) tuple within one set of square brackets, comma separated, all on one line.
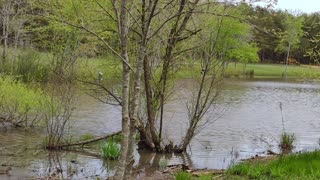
[(111, 150), (19, 104), (182, 175)]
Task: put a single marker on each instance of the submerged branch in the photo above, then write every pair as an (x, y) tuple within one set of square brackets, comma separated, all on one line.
[(81, 143)]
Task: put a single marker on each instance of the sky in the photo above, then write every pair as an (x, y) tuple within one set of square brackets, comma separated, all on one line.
[(305, 6)]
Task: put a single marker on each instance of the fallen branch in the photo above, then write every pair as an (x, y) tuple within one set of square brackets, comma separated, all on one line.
[(81, 143)]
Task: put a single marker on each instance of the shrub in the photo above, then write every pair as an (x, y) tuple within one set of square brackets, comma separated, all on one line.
[(182, 175), (19, 104), (111, 150)]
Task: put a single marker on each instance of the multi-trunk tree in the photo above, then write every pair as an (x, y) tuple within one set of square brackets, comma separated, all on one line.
[(290, 37), (152, 38)]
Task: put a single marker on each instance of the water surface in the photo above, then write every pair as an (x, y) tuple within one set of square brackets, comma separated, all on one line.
[(247, 121)]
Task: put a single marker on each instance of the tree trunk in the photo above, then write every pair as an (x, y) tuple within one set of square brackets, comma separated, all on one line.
[(123, 36), (244, 68), (287, 60), (5, 28), (135, 107)]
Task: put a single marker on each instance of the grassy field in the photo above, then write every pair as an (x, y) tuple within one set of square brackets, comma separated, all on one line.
[(35, 66), (295, 166), (275, 70), (259, 70), (304, 166)]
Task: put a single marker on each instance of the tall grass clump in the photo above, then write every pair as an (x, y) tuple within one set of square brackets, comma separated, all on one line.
[(29, 66), (111, 150), (287, 141), (182, 175)]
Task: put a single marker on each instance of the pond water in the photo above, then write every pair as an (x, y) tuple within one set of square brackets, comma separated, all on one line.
[(247, 122)]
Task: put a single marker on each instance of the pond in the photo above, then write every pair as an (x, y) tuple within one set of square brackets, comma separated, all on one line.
[(247, 122)]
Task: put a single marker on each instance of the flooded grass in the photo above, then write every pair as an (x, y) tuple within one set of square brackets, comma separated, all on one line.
[(295, 166), (111, 150)]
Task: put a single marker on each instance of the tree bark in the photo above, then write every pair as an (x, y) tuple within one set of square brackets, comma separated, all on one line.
[(287, 60), (5, 29), (123, 37)]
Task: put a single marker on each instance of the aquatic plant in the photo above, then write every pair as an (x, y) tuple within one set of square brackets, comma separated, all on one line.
[(182, 175), (86, 137), (111, 150), (286, 141), (116, 138), (163, 163)]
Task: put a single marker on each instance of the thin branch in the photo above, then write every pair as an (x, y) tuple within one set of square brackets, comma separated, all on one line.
[(106, 12), (104, 88)]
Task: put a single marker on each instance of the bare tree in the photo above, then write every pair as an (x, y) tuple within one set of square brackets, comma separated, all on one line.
[(11, 11)]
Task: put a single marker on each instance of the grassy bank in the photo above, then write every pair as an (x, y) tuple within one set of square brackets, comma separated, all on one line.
[(295, 166), (303, 166), (259, 70), (31, 65), (275, 70)]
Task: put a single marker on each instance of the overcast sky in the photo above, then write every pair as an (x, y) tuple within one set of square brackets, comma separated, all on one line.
[(307, 6)]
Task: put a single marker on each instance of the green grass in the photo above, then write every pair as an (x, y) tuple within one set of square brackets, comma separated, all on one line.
[(24, 105), (30, 65), (88, 69), (275, 70), (206, 177), (182, 175), (86, 137), (111, 150), (258, 70), (296, 166)]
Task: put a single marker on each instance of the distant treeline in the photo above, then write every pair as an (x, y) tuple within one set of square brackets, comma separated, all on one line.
[(25, 24), (270, 23)]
